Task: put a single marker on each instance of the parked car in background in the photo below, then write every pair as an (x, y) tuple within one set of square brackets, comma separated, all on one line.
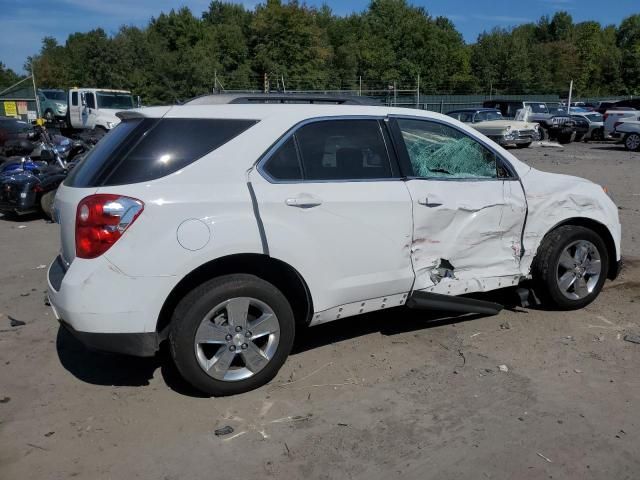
[(554, 126), (53, 104), (13, 129), (613, 116), (595, 123), (603, 106), (214, 227), (491, 123), (629, 130), (632, 103)]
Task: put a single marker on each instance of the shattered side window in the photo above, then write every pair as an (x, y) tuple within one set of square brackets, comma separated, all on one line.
[(439, 151)]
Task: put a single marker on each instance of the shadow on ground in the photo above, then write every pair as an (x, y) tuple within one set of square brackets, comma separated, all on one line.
[(106, 369)]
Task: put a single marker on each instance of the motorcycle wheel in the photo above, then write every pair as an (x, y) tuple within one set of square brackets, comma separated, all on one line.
[(46, 203)]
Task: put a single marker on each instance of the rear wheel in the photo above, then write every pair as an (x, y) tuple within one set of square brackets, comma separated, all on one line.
[(571, 267), (231, 334), (632, 142)]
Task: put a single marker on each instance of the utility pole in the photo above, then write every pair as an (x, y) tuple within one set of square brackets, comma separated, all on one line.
[(35, 91), (418, 93), (569, 101), (284, 89), (266, 83)]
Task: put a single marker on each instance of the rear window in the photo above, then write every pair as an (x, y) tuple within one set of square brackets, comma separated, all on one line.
[(144, 149)]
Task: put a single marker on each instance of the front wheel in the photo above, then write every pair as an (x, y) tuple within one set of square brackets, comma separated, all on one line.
[(632, 142), (571, 267), (231, 334), (565, 138)]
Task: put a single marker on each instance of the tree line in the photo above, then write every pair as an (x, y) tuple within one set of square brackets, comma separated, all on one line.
[(294, 46)]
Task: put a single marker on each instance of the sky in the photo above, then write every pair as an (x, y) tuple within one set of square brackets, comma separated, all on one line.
[(26, 22)]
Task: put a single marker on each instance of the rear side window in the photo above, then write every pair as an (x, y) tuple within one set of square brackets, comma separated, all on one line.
[(284, 163), (74, 98), (332, 150), (144, 149)]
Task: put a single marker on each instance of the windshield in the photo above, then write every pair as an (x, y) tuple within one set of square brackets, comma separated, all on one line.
[(537, 107), (488, 116), (117, 101), (54, 95)]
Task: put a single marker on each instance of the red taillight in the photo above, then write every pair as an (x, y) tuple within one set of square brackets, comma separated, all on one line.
[(101, 220), (37, 188), (604, 117)]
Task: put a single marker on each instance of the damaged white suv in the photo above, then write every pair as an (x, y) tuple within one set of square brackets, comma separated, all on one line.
[(225, 228)]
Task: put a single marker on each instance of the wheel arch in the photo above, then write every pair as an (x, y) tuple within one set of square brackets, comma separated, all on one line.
[(282, 275), (602, 230)]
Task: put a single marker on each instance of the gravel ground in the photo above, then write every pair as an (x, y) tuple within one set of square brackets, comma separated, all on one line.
[(376, 396)]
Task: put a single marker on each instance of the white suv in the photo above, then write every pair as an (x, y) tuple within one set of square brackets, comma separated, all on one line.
[(225, 228)]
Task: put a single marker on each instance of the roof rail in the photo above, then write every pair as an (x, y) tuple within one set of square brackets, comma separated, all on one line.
[(253, 98)]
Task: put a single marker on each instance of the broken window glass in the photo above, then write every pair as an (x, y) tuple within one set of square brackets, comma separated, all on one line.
[(439, 151)]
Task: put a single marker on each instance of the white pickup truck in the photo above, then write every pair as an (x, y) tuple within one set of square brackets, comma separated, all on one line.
[(96, 108)]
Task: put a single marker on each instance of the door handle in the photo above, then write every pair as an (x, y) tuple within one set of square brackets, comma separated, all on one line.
[(303, 201), (425, 201)]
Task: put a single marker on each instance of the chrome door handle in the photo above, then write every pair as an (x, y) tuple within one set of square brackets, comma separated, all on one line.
[(303, 201)]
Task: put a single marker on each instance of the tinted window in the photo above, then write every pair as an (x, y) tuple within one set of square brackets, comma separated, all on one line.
[(140, 150), (74, 98), (343, 150), (284, 164), (90, 99), (439, 151)]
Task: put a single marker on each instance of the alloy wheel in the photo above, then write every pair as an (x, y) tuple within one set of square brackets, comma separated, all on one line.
[(578, 270), (237, 339)]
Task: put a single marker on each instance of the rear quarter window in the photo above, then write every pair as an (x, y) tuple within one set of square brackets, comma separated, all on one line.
[(144, 149)]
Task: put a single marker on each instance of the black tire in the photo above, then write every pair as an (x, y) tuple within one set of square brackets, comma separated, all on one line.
[(195, 306), (544, 134), (578, 137), (632, 142), (565, 138), (545, 266), (597, 135), (524, 145), (46, 203)]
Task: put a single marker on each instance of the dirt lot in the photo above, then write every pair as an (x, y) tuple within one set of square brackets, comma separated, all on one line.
[(377, 396)]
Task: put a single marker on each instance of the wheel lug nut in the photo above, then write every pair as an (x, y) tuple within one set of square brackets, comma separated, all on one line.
[(247, 334), (228, 337), (238, 328), (232, 348), (244, 346)]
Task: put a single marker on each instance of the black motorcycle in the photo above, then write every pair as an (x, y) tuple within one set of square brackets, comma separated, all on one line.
[(30, 177)]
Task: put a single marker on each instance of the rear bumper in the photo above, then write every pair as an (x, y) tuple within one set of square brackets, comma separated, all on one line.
[(106, 309), (135, 344)]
